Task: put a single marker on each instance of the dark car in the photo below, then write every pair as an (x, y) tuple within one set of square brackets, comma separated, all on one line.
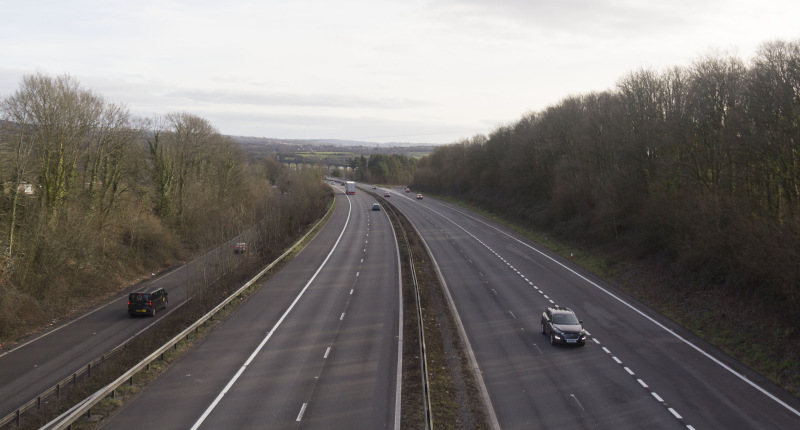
[(563, 326), (376, 207), (374, 187), (147, 302), (419, 196), (240, 248)]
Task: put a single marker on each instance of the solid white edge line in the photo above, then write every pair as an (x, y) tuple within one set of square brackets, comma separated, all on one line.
[(113, 301), (399, 377), (487, 401), (663, 327), (277, 324)]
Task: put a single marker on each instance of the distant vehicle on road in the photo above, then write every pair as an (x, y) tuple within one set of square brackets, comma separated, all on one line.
[(351, 187), (419, 196), (240, 248), (374, 187), (376, 207), (387, 195), (147, 302), (408, 190), (563, 326)]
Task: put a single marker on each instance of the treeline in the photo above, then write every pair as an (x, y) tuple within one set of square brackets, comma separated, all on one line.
[(384, 169), (697, 166), (94, 198)]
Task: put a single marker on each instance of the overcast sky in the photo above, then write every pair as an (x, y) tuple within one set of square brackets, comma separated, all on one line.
[(429, 71)]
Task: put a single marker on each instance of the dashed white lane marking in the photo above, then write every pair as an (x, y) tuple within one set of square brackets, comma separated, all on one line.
[(302, 410), (341, 317), (617, 360), (576, 401), (327, 351), (264, 341), (643, 384)]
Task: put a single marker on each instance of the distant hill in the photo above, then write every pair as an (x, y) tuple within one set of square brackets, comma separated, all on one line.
[(268, 141), (330, 151)]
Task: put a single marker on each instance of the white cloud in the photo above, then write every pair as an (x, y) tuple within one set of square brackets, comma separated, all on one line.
[(432, 70)]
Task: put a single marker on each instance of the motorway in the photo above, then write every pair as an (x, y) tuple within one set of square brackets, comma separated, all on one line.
[(638, 369), (316, 346)]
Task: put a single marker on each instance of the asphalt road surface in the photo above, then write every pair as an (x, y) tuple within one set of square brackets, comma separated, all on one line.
[(638, 370), (315, 347), (40, 362)]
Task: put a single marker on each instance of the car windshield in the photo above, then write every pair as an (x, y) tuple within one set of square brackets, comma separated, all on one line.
[(566, 319)]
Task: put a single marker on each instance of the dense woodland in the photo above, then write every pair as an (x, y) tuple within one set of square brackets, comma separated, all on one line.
[(696, 168), (94, 198), (383, 169)]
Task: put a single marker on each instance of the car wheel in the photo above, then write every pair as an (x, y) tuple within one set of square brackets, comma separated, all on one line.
[(582, 344), (552, 339)]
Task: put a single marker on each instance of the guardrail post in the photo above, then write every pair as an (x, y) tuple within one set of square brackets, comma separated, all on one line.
[(131, 380), (113, 394), (74, 378), (58, 390), (89, 370), (39, 402), (18, 414)]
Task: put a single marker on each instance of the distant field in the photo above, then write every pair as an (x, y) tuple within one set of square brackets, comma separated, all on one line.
[(324, 154)]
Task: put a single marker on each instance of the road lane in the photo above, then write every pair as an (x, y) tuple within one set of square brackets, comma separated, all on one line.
[(333, 356), (633, 373), (38, 363)]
